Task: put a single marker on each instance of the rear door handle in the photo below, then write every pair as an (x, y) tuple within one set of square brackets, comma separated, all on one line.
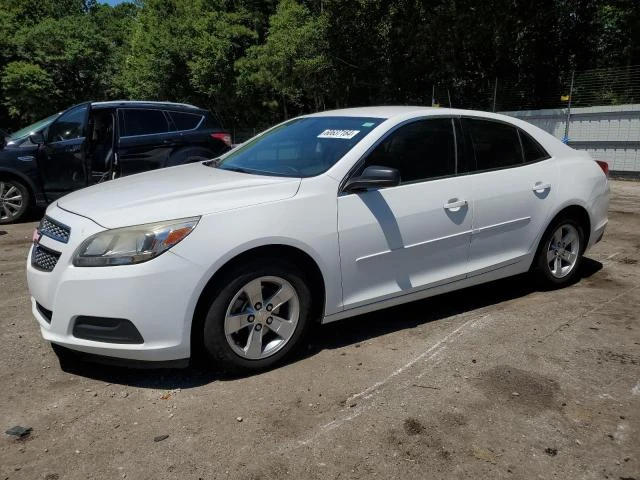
[(541, 187), (455, 205)]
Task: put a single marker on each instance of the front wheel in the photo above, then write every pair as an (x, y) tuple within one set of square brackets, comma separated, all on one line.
[(560, 254), (14, 201), (258, 317)]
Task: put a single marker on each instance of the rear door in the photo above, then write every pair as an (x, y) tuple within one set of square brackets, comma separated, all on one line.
[(62, 159), (197, 129), (145, 142), (183, 129), (514, 183)]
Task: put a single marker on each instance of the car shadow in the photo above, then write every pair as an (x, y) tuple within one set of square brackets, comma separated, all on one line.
[(331, 336), (410, 315)]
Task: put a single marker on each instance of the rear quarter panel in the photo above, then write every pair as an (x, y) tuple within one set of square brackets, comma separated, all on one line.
[(582, 182)]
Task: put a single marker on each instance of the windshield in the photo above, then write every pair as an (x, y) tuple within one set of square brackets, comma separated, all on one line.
[(34, 127), (303, 147)]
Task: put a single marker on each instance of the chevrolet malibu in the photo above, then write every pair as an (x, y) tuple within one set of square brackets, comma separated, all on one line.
[(320, 218)]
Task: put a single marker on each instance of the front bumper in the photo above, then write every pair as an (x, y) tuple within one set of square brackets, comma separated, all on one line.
[(154, 296)]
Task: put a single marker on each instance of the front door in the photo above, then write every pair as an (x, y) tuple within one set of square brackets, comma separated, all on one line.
[(62, 159), (416, 235)]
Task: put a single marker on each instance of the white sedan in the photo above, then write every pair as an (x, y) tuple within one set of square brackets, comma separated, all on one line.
[(320, 218)]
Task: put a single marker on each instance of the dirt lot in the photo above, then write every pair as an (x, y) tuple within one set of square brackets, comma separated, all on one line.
[(498, 381)]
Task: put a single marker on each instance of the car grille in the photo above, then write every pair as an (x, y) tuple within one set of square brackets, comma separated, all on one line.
[(55, 230), (44, 259)]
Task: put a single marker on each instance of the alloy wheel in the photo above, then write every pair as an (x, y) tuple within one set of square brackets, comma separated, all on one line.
[(563, 251), (262, 317), (11, 201)]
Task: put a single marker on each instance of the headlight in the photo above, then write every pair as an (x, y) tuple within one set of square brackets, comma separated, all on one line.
[(129, 245)]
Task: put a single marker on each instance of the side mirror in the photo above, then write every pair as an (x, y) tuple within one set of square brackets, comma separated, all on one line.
[(374, 176), (37, 138)]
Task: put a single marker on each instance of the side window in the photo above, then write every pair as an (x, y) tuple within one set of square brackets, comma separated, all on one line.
[(420, 150), (184, 121), (69, 125), (533, 152), (144, 122), (495, 145)]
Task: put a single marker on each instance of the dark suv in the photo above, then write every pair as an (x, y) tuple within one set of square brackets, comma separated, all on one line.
[(97, 141)]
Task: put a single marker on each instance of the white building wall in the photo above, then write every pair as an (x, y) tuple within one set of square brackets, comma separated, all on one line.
[(610, 133)]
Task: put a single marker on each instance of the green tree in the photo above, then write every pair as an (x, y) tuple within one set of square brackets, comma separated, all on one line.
[(219, 38), (292, 68), (61, 50), (25, 86)]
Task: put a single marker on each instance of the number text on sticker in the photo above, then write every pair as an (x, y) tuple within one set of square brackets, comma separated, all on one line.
[(346, 134)]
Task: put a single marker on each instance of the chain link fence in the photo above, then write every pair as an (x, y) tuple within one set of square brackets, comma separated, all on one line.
[(597, 87), (595, 110)]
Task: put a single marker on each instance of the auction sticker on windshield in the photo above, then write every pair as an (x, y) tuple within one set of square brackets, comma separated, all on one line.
[(346, 134)]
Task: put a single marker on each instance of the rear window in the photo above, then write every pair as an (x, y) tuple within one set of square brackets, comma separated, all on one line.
[(495, 144), (303, 147), (185, 121), (143, 122), (532, 150)]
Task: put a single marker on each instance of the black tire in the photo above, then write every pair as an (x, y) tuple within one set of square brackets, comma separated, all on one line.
[(7, 212), (542, 268), (215, 340), (189, 155)]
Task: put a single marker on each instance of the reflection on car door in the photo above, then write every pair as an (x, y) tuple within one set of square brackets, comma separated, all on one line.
[(62, 159), (413, 236), (512, 197), (143, 144)]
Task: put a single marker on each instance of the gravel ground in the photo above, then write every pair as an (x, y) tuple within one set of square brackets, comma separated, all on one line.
[(496, 381)]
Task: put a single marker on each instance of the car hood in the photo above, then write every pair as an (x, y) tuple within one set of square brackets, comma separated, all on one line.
[(176, 192)]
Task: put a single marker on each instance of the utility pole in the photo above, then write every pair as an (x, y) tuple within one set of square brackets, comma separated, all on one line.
[(565, 139), (449, 96)]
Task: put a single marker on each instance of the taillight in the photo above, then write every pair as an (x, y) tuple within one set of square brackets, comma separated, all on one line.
[(225, 137), (604, 166)]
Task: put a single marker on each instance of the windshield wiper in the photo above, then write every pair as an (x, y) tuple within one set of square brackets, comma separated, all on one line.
[(238, 169), (213, 163)]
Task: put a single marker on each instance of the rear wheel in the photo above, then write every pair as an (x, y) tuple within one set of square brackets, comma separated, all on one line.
[(560, 253), (258, 317), (14, 201), (189, 155)]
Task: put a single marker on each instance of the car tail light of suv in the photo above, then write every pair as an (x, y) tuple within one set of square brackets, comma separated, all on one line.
[(225, 137), (604, 166)]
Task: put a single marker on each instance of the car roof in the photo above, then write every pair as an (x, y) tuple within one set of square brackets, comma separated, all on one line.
[(390, 111), (144, 104), (400, 113)]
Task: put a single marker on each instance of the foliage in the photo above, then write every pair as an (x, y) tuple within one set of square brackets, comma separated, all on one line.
[(255, 62), (24, 84), (292, 65)]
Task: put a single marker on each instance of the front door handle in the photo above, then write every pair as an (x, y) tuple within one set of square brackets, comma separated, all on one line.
[(454, 205), (540, 187)]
